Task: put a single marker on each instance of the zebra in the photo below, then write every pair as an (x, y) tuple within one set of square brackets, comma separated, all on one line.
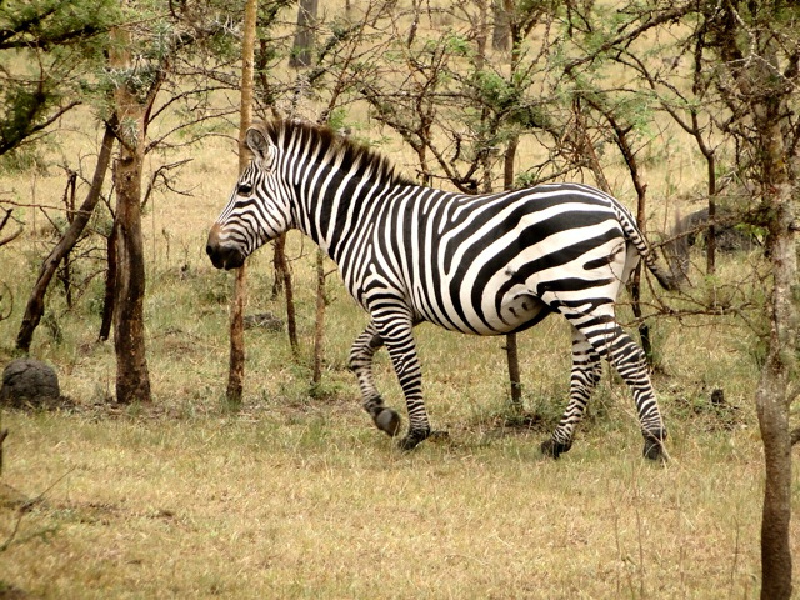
[(487, 264)]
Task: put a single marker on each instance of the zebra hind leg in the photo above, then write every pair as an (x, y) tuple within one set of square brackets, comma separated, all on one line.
[(629, 360), (361, 354), (583, 378)]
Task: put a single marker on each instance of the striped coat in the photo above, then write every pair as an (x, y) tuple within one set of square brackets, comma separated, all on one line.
[(484, 265)]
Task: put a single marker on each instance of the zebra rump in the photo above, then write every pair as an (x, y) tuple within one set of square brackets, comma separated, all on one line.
[(485, 264)]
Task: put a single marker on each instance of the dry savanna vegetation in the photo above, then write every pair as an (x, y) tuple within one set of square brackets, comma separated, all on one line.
[(296, 495)]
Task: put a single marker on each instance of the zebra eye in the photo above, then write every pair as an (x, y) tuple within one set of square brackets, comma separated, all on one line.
[(244, 189)]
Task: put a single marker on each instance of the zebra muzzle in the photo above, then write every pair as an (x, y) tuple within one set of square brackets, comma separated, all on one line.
[(222, 256)]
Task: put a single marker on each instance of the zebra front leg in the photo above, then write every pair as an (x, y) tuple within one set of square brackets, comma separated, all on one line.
[(394, 328), (361, 354), (583, 378)]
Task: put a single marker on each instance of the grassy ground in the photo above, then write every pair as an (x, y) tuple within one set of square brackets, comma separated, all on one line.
[(300, 497), (315, 504)]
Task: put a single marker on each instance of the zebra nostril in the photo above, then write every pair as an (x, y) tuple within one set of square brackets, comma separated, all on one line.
[(208, 249)]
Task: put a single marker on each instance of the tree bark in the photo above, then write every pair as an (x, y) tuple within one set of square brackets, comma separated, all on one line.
[(283, 281), (772, 399), (772, 405), (768, 97), (110, 286), (69, 205), (711, 241), (512, 356), (237, 355), (133, 378), (303, 48), (319, 321), (233, 392), (35, 306), (500, 30)]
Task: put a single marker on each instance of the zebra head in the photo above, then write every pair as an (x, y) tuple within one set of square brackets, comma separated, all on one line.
[(258, 210)]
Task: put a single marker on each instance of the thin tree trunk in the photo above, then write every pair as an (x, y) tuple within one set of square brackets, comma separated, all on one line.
[(512, 357), (283, 281), (279, 264), (69, 205), (481, 38), (133, 379), (110, 286), (621, 139), (291, 319), (319, 321), (237, 354), (35, 307), (233, 392), (500, 29), (711, 242), (303, 48), (636, 282)]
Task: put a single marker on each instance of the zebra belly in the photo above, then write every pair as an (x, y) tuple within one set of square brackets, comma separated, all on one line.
[(518, 310)]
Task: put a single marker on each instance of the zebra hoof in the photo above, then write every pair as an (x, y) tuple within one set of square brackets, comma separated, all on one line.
[(553, 449), (653, 450), (413, 439), (388, 421)]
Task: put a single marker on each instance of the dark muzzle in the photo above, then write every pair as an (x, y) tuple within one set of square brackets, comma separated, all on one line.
[(222, 257)]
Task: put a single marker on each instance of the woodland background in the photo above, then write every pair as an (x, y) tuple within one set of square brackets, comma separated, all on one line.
[(119, 128)]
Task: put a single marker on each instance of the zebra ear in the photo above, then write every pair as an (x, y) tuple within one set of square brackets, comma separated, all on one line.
[(260, 145)]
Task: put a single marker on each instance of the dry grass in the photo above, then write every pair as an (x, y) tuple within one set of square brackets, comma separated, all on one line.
[(296, 497), (265, 506)]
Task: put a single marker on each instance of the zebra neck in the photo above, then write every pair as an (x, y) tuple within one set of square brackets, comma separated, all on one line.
[(341, 216)]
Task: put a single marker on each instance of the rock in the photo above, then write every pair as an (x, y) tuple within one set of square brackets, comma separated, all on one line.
[(731, 231), (29, 382), (732, 234)]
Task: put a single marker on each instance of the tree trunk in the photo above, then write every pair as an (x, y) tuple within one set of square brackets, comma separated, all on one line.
[(500, 30), (711, 242), (512, 357), (110, 286), (133, 379), (769, 96), (319, 321), (237, 355), (283, 281), (772, 404), (233, 392), (69, 205), (303, 48), (765, 88), (35, 307), (623, 143), (636, 282), (279, 264)]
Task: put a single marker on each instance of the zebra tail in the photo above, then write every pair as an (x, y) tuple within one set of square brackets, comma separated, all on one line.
[(665, 279), (634, 236)]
